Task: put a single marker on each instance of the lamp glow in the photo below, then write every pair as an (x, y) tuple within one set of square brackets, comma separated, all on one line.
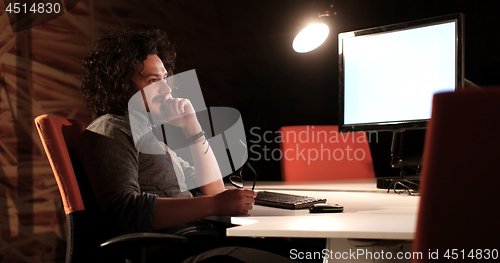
[(310, 38)]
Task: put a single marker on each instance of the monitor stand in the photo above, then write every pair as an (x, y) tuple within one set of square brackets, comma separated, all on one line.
[(403, 183)]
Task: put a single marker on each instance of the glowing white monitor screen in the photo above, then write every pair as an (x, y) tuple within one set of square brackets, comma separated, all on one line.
[(392, 77)]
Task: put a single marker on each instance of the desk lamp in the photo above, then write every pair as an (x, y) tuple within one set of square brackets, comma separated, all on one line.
[(315, 33)]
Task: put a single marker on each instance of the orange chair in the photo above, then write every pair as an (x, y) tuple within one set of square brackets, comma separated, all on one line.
[(321, 153), (458, 215), (86, 233)]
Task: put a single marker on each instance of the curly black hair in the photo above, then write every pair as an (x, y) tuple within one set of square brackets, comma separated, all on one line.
[(114, 57)]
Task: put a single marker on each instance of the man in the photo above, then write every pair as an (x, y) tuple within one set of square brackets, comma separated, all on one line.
[(139, 191)]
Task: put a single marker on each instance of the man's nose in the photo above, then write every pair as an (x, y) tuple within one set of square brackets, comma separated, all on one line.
[(164, 88)]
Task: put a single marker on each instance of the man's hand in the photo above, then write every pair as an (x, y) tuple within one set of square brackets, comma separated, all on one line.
[(233, 202), (179, 112)]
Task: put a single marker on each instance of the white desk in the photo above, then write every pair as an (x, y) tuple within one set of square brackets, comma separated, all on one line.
[(369, 214)]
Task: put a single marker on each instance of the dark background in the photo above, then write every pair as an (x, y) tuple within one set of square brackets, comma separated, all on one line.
[(241, 51)]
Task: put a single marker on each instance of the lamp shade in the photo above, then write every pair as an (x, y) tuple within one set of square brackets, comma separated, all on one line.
[(310, 38)]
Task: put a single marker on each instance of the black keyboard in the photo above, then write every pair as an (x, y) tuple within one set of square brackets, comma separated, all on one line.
[(287, 201)]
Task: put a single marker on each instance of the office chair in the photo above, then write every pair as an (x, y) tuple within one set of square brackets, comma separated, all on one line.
[(321, 153), (86, 233), (459, 188)]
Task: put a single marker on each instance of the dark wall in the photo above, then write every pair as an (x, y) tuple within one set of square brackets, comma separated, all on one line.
[(243, 58)]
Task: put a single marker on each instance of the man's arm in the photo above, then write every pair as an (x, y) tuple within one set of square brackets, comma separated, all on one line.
[(217, 201), (208, 175), (171, 212)]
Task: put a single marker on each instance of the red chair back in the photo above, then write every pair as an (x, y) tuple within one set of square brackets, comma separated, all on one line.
[(460, 176), (321, 153)]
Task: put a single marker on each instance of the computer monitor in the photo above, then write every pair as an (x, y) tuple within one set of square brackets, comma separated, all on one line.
[(389, 74)]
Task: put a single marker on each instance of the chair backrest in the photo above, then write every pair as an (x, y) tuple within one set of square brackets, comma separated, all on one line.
[(460, 177), (59, 137), (321, 153), (85, 227)]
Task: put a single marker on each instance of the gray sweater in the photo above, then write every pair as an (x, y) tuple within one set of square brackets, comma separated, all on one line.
[(127, 173)]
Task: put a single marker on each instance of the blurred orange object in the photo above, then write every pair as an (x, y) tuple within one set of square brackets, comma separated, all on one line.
[(321, 153)]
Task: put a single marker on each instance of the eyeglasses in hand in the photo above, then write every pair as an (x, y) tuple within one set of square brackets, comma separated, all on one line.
[(237, 179)]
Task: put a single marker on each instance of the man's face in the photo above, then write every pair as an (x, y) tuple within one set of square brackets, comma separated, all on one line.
[(151, 71)]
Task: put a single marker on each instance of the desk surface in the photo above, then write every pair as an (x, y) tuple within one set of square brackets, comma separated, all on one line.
[(369, 213), (356, 185)]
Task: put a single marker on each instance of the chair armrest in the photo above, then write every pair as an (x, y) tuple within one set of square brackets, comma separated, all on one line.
[(135, 245), (143, 239)]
